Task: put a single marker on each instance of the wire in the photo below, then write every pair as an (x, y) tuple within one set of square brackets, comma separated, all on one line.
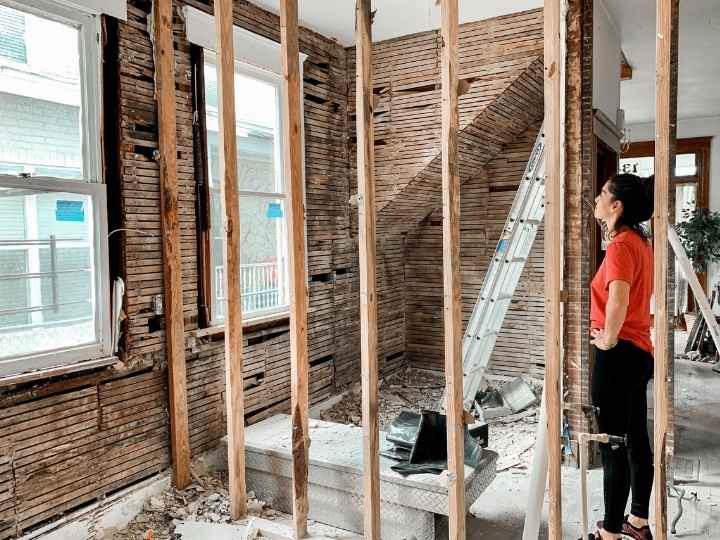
[(133, 230)]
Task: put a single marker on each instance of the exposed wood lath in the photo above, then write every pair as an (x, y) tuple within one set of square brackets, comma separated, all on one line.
[(485, 202), (67, 442), (500, 60)]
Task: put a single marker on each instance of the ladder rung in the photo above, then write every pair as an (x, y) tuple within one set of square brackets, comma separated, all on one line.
[(516, 260), (503, 296), (532, 221)]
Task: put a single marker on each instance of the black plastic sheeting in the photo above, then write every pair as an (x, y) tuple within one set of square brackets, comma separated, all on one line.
[(419, 443)]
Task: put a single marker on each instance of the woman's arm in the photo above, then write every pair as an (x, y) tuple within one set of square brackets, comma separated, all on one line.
[(615, 312)]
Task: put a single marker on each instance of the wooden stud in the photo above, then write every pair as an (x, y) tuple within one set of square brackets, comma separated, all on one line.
[(553, 239), (368, 297), (164, 52), (234, 396), (451, 269), (293, 163), (663, 47)]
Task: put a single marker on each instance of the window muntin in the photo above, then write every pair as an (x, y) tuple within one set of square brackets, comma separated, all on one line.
[(54, 301), (263, 220)]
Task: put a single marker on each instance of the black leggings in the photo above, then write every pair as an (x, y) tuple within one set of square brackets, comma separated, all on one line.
[(619, 385)]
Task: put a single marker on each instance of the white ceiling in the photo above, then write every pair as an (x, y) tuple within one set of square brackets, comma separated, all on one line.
[(394, 18), (699, 57)]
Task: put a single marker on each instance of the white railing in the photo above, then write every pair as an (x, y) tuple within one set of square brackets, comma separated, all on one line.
[(34, 277), (260, 286)]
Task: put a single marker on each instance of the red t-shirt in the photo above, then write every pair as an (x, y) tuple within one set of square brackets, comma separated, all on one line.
[(628, 258)]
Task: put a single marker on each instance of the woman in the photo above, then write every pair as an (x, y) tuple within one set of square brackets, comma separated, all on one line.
[(620, 331)]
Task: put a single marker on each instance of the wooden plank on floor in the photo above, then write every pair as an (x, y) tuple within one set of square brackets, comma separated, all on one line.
[(233, 313), (164, 52), (294, 177)]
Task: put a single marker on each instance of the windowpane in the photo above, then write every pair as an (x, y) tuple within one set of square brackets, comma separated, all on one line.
[(645, 166), (263, 260), (257, 115), (263, 270), (40, 97), (47, 274), (685, 165)]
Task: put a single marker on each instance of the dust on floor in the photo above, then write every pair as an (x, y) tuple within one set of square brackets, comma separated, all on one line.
[(511, 436), (206, 499)]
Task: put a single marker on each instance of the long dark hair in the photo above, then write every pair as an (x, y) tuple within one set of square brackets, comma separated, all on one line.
[(637, 195)]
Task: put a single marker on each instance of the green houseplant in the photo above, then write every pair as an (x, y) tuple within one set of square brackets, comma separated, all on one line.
[(699, 233)]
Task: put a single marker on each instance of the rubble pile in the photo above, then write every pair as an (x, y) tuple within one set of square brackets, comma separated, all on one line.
[(206, 499), (408, 389)]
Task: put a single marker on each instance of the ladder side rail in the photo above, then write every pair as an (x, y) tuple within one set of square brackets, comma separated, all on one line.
[(494, 272)]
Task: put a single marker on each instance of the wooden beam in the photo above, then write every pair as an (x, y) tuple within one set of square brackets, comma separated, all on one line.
[(234, 397), (293, 162), (164, 52), (364, 106), (451, 269), (625, 68), (663, 50), (553, 240)]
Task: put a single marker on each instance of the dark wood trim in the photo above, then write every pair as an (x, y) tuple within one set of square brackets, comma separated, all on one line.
[(112, 157), (693, 145), (202, 187), (700, 146)]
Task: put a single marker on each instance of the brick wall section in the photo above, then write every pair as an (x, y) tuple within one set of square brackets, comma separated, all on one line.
[(580, 226), (579, 223)]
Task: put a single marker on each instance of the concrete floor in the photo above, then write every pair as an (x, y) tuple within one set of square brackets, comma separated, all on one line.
[(500, 511)]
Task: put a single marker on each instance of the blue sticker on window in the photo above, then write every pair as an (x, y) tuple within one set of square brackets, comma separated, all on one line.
[(274, 210), (69, 211)]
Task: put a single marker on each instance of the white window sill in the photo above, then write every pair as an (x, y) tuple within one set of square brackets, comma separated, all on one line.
[(46, 373)]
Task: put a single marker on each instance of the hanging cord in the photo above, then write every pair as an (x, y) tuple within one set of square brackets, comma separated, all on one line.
[(133, 230)]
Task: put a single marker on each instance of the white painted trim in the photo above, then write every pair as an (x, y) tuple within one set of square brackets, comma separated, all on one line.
[(102, 347), (258, 67), (250, 48), (114, 8)]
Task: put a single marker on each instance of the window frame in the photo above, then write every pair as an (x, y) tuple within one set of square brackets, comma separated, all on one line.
[(258, 53), (700, 146), (246, 69), (91, 184)]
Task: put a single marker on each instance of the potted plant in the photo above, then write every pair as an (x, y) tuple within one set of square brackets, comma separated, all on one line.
[(699, 233)]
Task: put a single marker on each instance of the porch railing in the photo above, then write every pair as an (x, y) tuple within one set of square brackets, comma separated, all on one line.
[(259, 285)]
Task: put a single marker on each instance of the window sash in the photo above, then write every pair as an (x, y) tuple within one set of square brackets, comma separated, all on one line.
[(217, 277), (88, 26), (101, 347)]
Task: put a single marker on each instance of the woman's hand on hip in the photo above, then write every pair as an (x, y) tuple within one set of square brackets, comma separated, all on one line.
[(600, 340)]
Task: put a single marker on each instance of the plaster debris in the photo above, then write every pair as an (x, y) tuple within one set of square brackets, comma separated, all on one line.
[(206, 500), (512, 436)]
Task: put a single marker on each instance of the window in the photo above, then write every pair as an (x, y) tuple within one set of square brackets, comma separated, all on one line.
[(263, 223), (691, 184), (53, 228)]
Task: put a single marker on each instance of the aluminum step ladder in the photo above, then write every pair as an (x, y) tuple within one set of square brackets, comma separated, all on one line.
[(503, 274)]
